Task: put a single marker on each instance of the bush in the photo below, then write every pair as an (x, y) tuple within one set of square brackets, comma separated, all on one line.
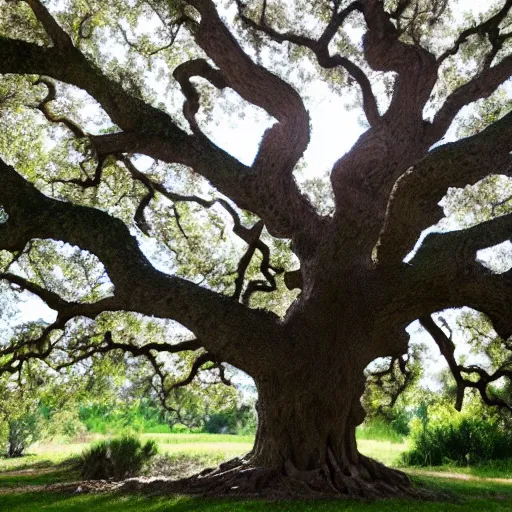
[(459, 439), (22, 431), (235, 420), (179, 428), (116, 458), (65, 423), (157, 429)]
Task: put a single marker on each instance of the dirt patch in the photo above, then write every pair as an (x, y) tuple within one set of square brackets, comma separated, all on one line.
[(173, 468), (29, 472), (86, 486), (458, 476)]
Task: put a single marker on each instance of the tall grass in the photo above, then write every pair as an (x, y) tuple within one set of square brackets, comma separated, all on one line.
[(378, 430), (459, 440), (199, 438), (103, 419)]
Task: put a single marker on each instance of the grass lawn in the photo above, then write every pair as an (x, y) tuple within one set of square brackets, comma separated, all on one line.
[(470, 497), (50, 464), (212, 447)]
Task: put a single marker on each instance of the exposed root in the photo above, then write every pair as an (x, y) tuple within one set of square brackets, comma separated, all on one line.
[(238, 478)]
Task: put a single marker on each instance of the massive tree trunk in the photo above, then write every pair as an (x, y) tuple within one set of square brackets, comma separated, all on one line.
[(307, 419), (307, 435), (306, 439), (309, 405), (308, 415)]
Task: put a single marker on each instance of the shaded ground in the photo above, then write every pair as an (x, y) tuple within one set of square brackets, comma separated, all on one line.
[(493, 499), (47, 482)]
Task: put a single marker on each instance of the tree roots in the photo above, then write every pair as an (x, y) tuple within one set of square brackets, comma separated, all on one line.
[(238, 478)]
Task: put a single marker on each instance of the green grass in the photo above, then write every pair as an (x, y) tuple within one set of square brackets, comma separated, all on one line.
[(46, 466), (491, 469), (378, 430), (384, 451), (43, 455), (39, 477), (469, 490), (198, 438), (469, 498), (157, 429)]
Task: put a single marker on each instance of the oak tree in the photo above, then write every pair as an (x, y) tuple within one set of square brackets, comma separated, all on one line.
[(359, 274)]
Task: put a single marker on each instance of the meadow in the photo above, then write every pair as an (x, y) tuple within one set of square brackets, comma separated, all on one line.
[(22, 480)]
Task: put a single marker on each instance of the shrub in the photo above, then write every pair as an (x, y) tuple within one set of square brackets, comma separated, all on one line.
[(179, 428), (158, 429), (234, 420), (65, 423), (459, 439), (116, 458)]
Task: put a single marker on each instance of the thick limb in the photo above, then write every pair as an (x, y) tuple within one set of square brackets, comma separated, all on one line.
[(223, 323), (413, 205), (445, 273), (150, 131), (320, 48), (284, 143)]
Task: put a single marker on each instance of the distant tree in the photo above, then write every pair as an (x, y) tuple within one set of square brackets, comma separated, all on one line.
[(301, 299), (21, 420)]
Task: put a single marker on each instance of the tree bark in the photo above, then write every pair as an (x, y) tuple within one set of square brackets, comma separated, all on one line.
[(307, 431), (16, 440), (307, 418)]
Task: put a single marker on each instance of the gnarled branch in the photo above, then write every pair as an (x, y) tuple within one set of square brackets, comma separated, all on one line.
[(413, 205), (66, 310), (447, 348), (320, 48), (480, 86), (50, 116), (489, 27), (59, 37), (138, 286), (445, 273), (150, 131), (183, 73), (87, 349), (416, 67)]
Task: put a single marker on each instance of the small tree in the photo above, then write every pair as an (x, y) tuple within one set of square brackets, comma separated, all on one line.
[(20, 414)]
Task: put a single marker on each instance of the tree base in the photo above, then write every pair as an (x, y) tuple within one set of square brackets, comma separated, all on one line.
[(238, 478)]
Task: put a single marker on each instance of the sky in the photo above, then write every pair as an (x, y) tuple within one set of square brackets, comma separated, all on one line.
[(335, 128)]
